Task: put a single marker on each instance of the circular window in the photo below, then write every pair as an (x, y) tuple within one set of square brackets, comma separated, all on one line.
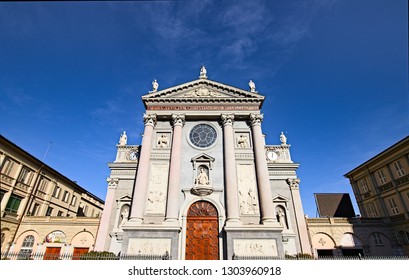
[(203, 135)]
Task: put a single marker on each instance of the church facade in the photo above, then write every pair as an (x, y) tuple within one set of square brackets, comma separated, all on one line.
[(203, 184)]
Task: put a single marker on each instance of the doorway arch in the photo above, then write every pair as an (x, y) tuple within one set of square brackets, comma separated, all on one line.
[(202, 232)]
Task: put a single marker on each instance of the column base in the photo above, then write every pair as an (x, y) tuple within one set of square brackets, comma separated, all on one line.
[(171, 221), (233, 222), (270, 222)]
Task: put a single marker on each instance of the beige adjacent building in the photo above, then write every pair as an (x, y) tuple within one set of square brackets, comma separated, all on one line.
[(381, 189), (42, 211)]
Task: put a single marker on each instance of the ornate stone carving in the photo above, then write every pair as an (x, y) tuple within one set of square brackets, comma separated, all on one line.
[(255, 119), (246, 180), (178, 119), (227, 119), (293, 183), (112, 182), (162, 141), (149, 119), (155, 199), (149, 246), (156, 202), (242, 141), (255, 247), (123, 139)]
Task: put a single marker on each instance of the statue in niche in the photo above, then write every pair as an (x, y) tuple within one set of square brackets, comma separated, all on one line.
[(283, 138), (124, 215), (163, 141), (281, 217), (242, 141), (202, 178), (123, 139)]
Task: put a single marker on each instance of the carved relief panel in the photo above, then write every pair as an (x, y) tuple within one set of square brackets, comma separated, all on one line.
[(242, 140), (247, 186), (157, 190), (149, 246), (255, 247)]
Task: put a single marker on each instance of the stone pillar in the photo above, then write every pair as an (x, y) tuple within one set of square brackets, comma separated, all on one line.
[(299, 215), (103, 233), (172, 206), (230, 176), (264, 190), (142, 176)]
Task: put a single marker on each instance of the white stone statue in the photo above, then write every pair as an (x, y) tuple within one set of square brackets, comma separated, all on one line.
[(283, 138), (124, 215), (203, 73), (123, 139), (252, 86), (155, 86), (281, 217), (202, 178)]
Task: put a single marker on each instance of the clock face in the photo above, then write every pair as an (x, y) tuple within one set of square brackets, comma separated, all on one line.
[(203, 135), (133, 155), (271, 155)]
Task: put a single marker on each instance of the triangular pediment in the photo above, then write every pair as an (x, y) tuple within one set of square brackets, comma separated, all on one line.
[(201, 89)]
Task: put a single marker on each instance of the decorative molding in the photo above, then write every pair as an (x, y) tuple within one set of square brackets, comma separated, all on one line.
[(202, 107)]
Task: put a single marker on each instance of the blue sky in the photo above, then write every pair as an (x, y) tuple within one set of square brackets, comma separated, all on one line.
[(334, 73)]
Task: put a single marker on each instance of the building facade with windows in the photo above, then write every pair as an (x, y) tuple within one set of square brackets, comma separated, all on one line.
[(381, 189), (42, 211), (203, 184)]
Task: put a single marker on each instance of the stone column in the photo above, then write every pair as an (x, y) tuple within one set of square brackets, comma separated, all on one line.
[(230, 176), (103, 234), (142, 176), (174, 170), (264, 190), (299, 215)]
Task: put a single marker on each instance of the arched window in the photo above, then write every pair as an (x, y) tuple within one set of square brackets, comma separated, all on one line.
[(26, 248)]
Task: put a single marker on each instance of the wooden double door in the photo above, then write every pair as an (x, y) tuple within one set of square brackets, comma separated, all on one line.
[(202, 232)]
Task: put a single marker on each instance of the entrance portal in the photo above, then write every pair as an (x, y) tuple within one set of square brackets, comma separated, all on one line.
[(202, 232)]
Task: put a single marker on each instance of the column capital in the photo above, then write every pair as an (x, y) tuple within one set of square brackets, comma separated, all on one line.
[(149, 119), (227, 119), (293, 183), (178, 119), (112, 182), (255, 119)]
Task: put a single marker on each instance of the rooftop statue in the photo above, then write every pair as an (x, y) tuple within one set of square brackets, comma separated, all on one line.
[(123, 139), (203, 73), (283, 139), (252, 86), (155, 86)]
